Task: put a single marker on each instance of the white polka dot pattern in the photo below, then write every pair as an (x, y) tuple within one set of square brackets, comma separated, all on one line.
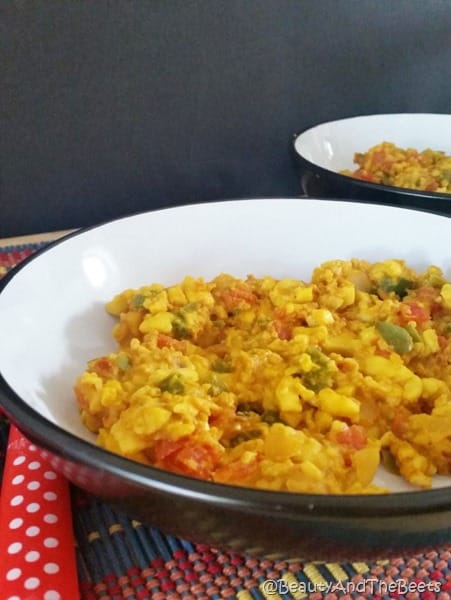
[(36, 539)]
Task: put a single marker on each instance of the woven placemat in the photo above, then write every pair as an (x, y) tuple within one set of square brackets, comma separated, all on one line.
[(118, 557)]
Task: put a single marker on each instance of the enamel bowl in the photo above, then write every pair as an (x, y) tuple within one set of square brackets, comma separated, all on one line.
[(324, 150), (52, 320)]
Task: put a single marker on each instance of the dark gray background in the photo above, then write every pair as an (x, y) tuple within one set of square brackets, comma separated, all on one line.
[(110, 107)]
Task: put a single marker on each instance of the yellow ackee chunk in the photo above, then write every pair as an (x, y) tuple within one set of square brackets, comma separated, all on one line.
[(320, 316), (127, 440), (161, 322), (369, 335), (246, 317), (366, 462), (433, 387), (344, 343), (288, 394), (247, 457), (197, 291), (175, 431), (347, 295), (157, 302), (317, 334), (390, 268), (120, 302), (322, 420), (110, 392), (136, 424), (338, 405), (89, 386), (389, 368), (284, 442), (303, 294), (311, 470), (149, 419), (106, 440), (413, 388), (176, 296), (430, 341), (290, 290), (306, 363), (445, 294), (412, 465)]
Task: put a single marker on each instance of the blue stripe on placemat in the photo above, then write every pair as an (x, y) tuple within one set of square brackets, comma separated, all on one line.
[(23, 247)]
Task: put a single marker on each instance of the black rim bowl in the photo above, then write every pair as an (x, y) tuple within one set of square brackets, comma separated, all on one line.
[(319, 182), (264, 523)]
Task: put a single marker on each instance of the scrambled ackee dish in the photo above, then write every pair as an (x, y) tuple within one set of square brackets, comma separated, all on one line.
[(388, 164), (281, 384)]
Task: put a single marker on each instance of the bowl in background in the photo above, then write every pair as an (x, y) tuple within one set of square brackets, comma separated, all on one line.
[(324, 150), (52, 320)]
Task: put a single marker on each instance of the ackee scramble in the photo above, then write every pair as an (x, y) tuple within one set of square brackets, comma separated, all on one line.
[(302, 386)]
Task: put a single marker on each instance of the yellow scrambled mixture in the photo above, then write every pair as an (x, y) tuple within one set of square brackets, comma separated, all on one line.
[(281, 384), (388, 164)]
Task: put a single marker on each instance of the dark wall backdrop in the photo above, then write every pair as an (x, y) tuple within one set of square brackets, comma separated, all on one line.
[(110, 107)]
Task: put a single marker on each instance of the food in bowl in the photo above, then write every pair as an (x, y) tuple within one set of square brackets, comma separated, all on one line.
[(388, 164), (281, 384), (49, 335)]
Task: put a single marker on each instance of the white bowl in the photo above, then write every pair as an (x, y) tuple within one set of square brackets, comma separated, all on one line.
[(326, 149), (52, 320)]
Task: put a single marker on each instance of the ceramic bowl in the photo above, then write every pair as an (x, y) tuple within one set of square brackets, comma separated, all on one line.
[(323, 151), (52, 320)]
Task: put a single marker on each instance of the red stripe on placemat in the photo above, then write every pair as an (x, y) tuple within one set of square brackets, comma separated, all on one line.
[(9, 259), (10, 256)]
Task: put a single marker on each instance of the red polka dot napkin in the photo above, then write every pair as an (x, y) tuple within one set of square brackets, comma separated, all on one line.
[(36, 537)]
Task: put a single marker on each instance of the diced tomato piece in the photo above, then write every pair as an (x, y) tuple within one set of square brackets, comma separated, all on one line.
[(354, 436), (233, 297), (363, 176), (223, 419), (280, 313), (237, 472), (378, 157), (283, 324), (412, 311), (166, 341), (347, 459), (442, 341), (103, 366), (283, 329), (429, 297), (399, 424), (165, 448), (187, 457)]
